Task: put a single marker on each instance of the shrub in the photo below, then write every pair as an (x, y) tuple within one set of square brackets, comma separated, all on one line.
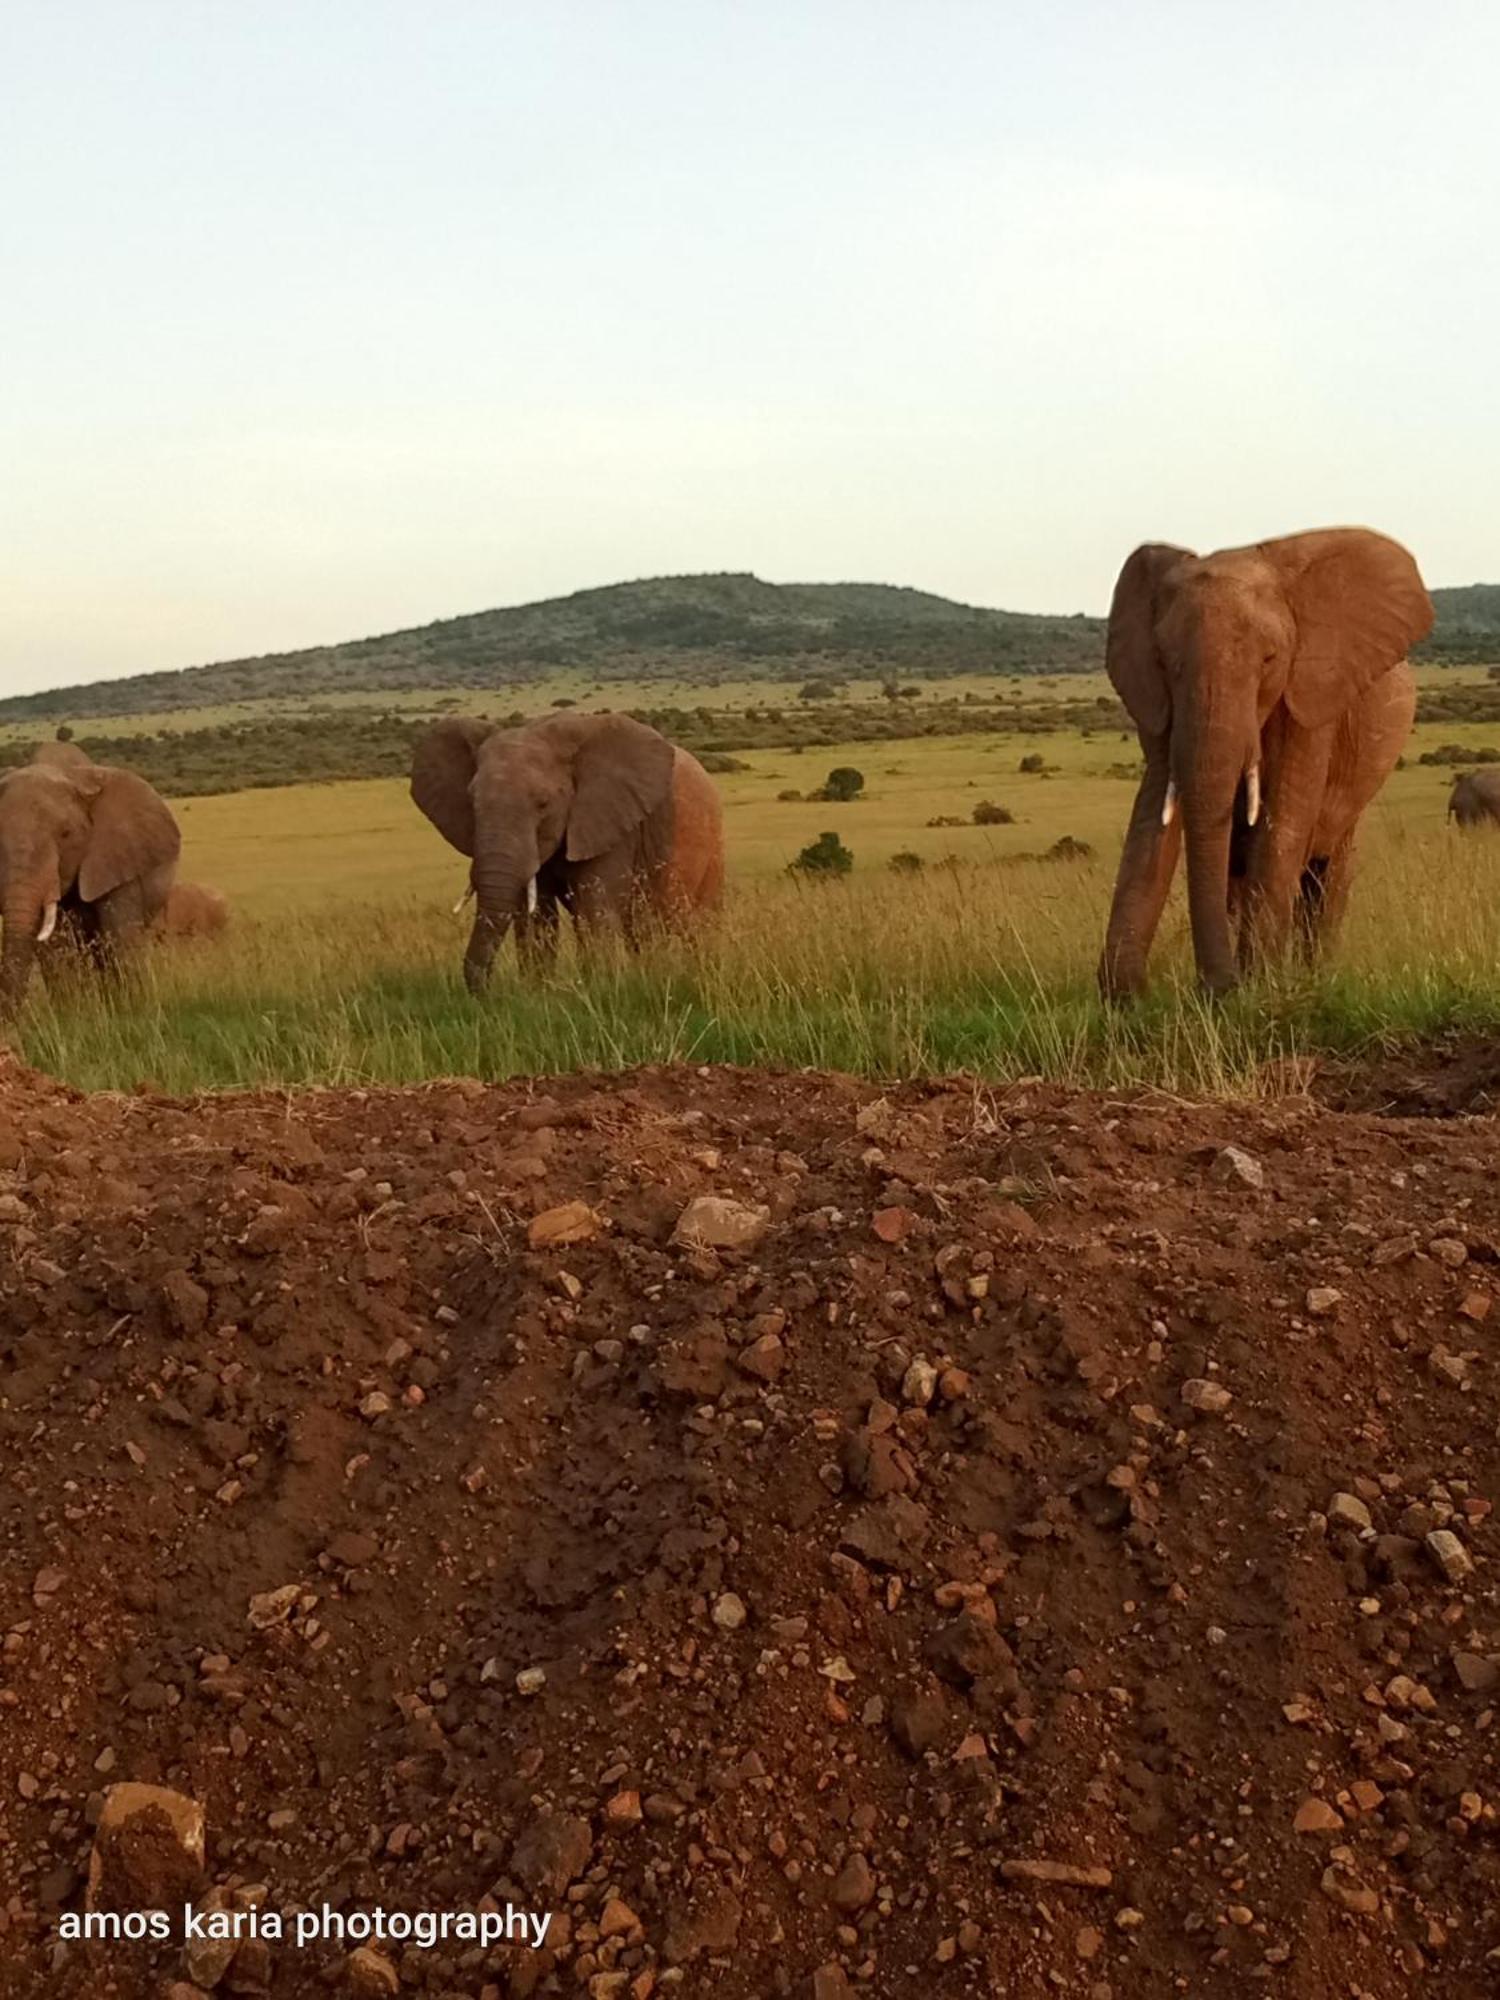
[(787, 796), (818, 690), (827, 855), (905, 863), (947, 819), (987, 813), (720, 760), (842, 784), (1032, 762), (1068, 849)]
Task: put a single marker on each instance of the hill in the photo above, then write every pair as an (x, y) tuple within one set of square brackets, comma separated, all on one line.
[(704, 629), (1468, 624)]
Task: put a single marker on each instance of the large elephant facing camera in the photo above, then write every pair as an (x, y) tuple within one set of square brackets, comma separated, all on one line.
[(1271, 693), (595, 814), (85, 850)]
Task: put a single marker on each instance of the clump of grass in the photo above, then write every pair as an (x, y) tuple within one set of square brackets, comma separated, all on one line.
[(987, 970)]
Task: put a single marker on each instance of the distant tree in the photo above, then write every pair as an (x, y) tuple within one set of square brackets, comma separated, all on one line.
[(64, 733), (827, 855), (842, 784), (818, 690), (564, 701)]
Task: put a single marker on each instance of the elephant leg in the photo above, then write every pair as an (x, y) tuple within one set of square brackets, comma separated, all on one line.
[(1324, 898), (1295, 779), (1147, 865)]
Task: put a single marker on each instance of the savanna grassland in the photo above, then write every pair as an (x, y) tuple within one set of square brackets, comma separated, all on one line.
[(342, 966)]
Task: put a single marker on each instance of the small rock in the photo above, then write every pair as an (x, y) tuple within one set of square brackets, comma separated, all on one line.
[(764, 1359), (919, 1384), (273, 1607), (1450, 1555), (729, 1612), (1316, 1815), (919, 1720), (1347, 1510), (553, 1851), (1475, 1305), (831, 1982), (531, 1680), (1232, 1163), (1448, 1367), (1449, 1250), (709, 1222), (892, 1224), (370, 1974), (573, 1222), (1322, 1300), (1211, 1398), (1476, 1673), (148, 1850), (854, 1885)]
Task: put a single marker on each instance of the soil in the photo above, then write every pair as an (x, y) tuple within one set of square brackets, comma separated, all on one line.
[(1047, 1549)]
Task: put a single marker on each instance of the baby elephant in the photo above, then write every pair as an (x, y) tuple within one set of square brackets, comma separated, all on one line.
[(192, 910), (1475, 799)]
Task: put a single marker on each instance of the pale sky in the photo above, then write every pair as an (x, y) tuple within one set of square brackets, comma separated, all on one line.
[(323, 317)]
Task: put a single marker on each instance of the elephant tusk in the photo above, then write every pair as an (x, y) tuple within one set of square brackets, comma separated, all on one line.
[(458, 906), (1169, 809), (531, 897), (48, 923), (1252, 794)]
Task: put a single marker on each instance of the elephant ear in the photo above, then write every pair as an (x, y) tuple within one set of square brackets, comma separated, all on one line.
[(442, 770), (1132, 658), (622, 772), (1360, 606), (131, 831)]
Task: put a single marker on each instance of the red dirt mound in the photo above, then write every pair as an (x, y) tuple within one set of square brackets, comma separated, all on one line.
[(1044, 1551)]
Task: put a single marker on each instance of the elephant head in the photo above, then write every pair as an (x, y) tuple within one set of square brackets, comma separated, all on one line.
[(1203, 650), (579, 787), (71, 831)]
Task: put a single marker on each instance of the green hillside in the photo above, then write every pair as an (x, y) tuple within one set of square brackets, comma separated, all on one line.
[(704, 629)]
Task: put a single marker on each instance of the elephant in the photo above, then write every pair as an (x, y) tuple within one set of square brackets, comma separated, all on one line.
[(1271, 692), (598, 815), (82, 844), (1475, 799), (192, 910)]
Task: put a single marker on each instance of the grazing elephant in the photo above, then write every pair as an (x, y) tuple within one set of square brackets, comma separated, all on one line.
[(1475, 799), (595, 814), (192, 910), (83, 843), (1270, 690)]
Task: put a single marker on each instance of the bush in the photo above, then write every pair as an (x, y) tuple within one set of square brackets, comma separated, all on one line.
[(818, 690), (720, 760), (788, 796), (1033, 762), (947, 819), (987, 813), (905, 863), (841, 785), (1068, 849), (827, 855)]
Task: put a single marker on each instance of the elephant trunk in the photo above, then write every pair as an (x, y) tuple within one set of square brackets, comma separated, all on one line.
[(503, 878), (1210, 760), (29, 913)]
